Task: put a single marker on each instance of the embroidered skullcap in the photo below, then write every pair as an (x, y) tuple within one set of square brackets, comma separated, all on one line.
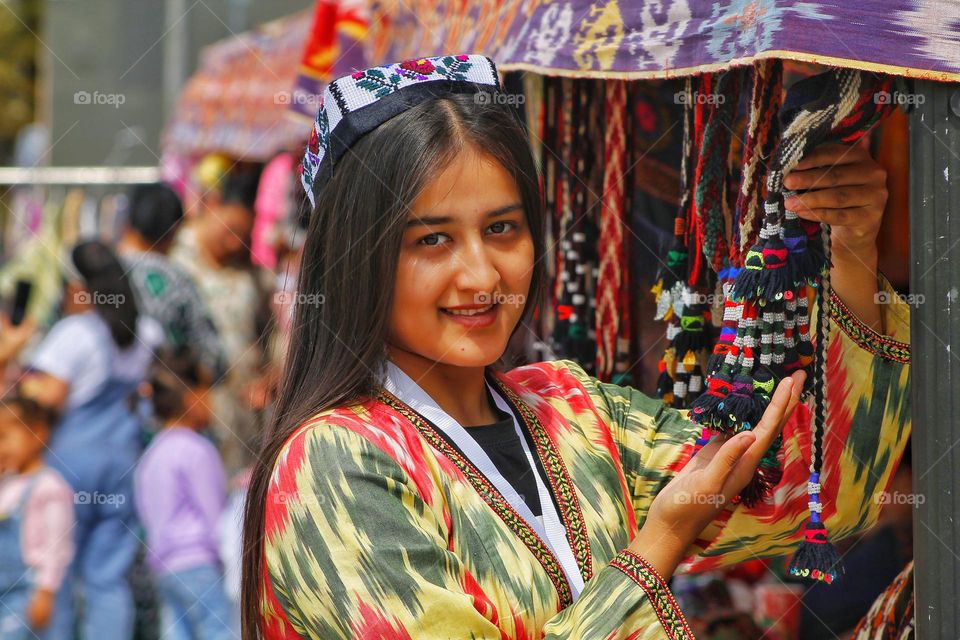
[(356, 104)]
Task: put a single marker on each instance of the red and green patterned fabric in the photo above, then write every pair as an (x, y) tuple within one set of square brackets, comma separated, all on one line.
[(891, 616), (376, 528)]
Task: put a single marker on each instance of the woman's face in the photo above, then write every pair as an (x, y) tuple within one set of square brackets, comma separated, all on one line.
[(466, 261)]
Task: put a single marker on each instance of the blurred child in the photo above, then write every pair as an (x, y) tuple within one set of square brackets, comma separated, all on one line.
[(36, 520), (180, 491)]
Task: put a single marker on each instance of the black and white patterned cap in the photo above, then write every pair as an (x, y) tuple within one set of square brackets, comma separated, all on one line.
[(356, 104)]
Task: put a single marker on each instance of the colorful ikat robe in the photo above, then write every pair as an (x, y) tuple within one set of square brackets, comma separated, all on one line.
[(377, 528)]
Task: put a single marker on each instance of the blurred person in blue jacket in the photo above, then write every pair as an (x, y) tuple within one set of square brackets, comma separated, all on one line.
[(87, 368)]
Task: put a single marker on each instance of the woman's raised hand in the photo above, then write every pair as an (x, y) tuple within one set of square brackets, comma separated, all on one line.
[(842, 186), (847, 189), (710, 480)]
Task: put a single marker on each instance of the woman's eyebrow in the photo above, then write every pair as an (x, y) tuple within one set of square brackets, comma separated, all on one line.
[(427, 220)]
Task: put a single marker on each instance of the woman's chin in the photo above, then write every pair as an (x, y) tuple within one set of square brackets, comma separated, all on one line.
[(470, 353), (469, 359)]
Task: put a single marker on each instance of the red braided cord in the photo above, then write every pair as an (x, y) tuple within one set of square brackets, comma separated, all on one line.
[(695, 226), (563, 136), (610, 278)]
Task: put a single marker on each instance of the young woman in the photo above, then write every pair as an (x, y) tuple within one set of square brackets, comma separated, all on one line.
[(409, 489)]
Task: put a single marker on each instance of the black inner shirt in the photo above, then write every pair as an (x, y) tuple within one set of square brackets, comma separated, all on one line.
[(502, 444)]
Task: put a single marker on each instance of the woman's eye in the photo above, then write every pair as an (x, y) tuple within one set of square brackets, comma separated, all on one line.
[(433, 239), (503, 226)]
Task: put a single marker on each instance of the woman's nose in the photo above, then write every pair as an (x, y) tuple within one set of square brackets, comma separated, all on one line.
[(476, 270)]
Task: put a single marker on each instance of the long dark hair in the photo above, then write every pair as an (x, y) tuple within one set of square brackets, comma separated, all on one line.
[(350, 257), (109, 288)]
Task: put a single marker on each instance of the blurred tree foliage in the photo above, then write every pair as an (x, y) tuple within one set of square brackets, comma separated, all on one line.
[(19, 44)]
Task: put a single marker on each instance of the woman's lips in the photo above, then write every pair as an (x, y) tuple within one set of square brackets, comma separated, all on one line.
[(473, 318)]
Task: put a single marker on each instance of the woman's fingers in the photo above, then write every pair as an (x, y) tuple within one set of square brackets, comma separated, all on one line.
[(827, 155), (848, 197), (705, 455), (785, 398), (838, 175), (839, 217), (727, 458)]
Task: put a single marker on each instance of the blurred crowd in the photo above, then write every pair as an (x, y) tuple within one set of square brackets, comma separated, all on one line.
[(130, 414), (132, 406)]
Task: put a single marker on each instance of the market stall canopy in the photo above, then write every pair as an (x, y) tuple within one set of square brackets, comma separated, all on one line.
[(635, 39), (335, 47), (237, 103)]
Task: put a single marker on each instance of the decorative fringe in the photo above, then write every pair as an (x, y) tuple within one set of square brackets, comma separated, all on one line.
[(710, 190), (743, 406), (763, 131)]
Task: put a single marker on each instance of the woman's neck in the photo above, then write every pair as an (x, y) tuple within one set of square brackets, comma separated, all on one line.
[(460, 391)]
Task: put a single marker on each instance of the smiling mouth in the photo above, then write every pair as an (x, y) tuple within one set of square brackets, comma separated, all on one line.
[(470, 312)]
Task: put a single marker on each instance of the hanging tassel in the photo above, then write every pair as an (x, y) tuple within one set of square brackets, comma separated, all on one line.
[(816, 558), (664, 381), (695, 386), (770, 470), (728, 327), (681, 381), (577, 127), (693, 335), (768, 476), (775, 278), (805, 259), (747, 284), (674, 267), (722, 349), (709, 407), (743, 407)]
